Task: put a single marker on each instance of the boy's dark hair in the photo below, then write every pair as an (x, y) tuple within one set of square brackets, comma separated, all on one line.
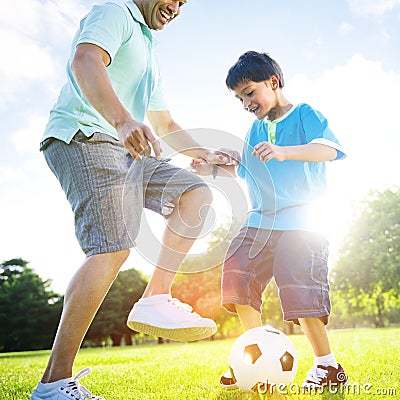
[(253, 66)]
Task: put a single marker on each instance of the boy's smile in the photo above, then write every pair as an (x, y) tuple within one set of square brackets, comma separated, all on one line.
[(259, 98)]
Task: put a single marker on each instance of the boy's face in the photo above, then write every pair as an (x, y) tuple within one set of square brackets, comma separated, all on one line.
[(158, 13), (259, 98)]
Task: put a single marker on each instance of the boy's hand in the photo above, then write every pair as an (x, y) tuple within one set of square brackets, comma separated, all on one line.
[(266, 151)]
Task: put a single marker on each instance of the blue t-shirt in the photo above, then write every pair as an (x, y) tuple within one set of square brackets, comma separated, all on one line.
[(121, 31), (282, 194)]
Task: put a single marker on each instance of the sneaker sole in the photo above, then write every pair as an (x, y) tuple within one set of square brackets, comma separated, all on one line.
[(180, 334), (229, 387)]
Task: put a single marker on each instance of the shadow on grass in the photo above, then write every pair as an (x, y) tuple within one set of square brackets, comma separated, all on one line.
[(24, 354)]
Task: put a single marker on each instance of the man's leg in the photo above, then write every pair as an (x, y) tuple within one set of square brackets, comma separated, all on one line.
[(183, 228), (156, 313), (83, 298)]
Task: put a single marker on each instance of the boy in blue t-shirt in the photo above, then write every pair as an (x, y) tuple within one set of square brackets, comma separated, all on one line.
[(283, 165)]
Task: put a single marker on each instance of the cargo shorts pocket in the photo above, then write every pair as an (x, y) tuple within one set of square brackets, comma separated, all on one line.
[(319, 266)]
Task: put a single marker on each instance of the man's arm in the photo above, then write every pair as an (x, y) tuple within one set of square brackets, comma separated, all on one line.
[(182, 141), (89, 69), (202, 168)]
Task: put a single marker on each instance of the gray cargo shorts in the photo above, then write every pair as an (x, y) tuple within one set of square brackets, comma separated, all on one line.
[(108, 189), (298, 260)]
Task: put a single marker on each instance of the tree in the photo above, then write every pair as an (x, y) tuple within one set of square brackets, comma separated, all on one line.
[(202, 291), (29, 310), (110, 320), (367, 274)]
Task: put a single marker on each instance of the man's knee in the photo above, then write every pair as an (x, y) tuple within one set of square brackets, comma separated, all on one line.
[(201, 196), (114, 259), (120, 256)]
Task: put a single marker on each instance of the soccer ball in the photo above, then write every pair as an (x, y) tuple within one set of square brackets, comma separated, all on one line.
[(261, 357)]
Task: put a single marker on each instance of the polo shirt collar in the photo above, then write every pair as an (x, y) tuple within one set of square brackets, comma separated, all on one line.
[(138, 17)]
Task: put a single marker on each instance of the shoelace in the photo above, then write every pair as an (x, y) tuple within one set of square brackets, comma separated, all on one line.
[(183, 306), (315, 375), (77, 391)]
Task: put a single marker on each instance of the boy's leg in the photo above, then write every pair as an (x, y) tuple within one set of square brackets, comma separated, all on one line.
[(301, 275), (249, 317), (83, 297), (325, 371), (244, 279), (315, 331)]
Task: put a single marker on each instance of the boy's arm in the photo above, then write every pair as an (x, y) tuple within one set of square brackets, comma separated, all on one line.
[(182, 141), (311, 152)]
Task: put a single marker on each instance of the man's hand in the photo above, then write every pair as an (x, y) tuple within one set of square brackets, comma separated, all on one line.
[(136, 137), (200, 167), (222, 156), (233, 156), (266, 151), (203, 165)]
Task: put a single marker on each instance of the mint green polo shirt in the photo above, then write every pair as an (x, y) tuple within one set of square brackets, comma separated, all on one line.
[(122, 32)]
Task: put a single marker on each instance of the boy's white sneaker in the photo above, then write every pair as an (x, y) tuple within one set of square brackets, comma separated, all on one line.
[(66, 389), (163, 316)]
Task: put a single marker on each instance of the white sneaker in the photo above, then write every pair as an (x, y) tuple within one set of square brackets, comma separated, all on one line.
[(66, 390), (163, 316)]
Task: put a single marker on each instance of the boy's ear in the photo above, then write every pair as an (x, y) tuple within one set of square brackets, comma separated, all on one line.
[(274, 82)]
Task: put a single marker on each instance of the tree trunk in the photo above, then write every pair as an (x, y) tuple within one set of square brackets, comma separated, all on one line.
[(128, 339), (379, 322), (116, 339)]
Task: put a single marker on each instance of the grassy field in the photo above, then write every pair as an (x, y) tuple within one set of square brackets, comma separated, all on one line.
[(183, 371)]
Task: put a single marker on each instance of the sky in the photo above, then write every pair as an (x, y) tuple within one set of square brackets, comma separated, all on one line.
[(341, 57)]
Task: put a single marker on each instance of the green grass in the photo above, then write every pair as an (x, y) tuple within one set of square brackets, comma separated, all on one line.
[(191, 370)]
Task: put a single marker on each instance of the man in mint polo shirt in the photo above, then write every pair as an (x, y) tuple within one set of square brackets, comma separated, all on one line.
[(95, 136)]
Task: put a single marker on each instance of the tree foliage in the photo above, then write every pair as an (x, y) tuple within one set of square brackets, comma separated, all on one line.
[(366, 277), (110, 320), (29, 310)]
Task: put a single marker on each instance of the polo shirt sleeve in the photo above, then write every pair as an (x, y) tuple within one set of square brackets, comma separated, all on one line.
[(317, 130), (106, 26)]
